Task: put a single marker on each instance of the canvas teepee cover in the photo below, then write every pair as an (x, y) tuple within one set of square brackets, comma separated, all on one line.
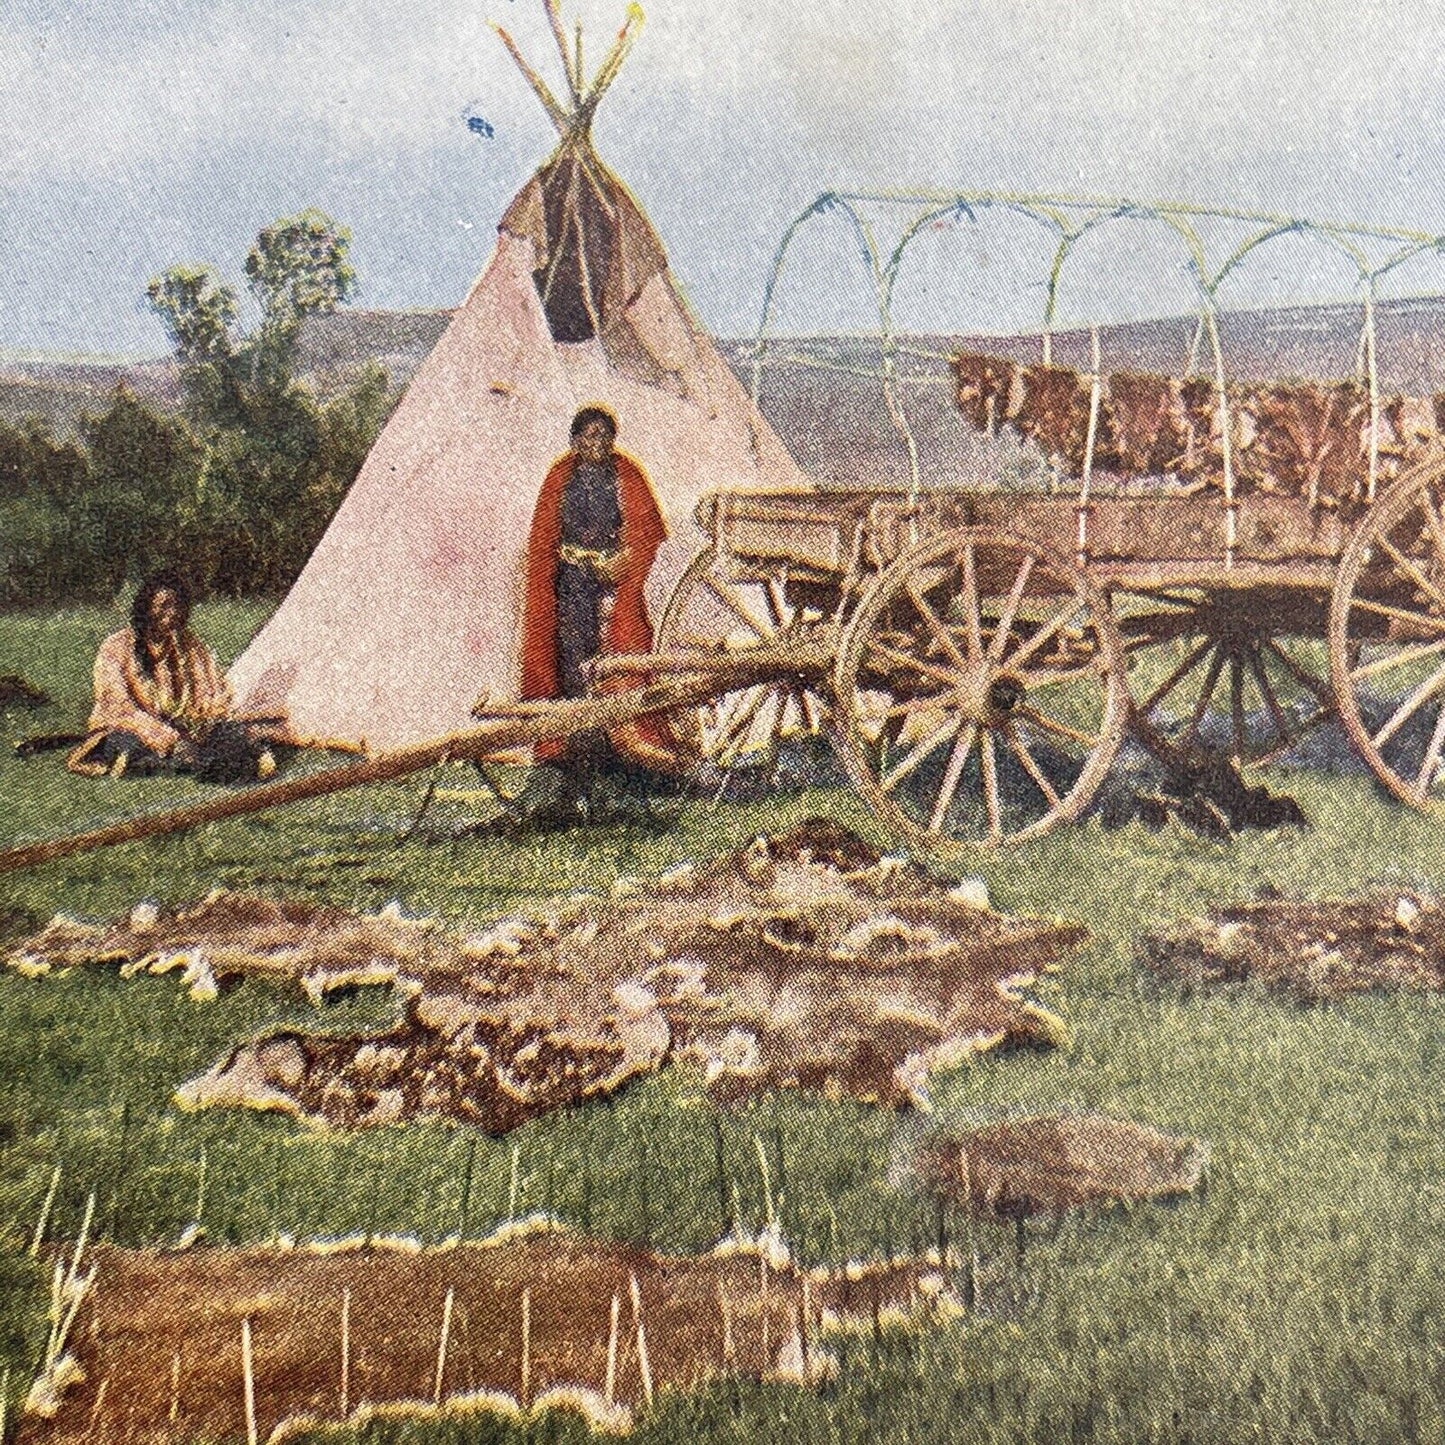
[(409, 609)]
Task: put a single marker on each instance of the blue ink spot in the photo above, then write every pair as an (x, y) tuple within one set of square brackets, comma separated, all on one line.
[(478, 125)]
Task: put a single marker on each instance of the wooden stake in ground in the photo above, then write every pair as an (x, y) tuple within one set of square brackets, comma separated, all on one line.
[(526, 1396), (609, 1389), (81, 1242), (442, 1345), (643, 1365), (248, 1380), (175, 1410), (345, 1352), (200, 1188)]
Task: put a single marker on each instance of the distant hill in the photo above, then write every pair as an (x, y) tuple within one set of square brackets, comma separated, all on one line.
[(61, 392), (822, 393)]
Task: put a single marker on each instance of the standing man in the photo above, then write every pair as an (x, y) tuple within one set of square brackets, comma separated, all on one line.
[(595, 532)]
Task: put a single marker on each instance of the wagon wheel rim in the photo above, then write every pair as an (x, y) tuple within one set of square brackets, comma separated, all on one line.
[(1387, 638), (1246, 668), (980, 691), (713, 612)]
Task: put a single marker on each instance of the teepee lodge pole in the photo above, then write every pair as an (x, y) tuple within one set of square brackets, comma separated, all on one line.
[(504, 728), (556, 112), (569, 66)]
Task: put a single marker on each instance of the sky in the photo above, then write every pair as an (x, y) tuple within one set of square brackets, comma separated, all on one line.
[(145, 133)]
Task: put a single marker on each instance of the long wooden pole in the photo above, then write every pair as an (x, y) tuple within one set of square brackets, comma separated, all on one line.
[(519, 725)]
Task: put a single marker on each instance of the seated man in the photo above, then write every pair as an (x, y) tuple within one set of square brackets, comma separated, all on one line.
[(162, 702)]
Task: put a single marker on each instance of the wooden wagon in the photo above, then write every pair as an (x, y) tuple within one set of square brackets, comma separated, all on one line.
[(977, 657)]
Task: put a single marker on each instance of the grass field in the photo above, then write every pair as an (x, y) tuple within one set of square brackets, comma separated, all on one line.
[(1300, 1297)]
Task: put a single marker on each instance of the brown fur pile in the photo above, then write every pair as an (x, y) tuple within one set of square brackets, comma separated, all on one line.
[(803, 960)]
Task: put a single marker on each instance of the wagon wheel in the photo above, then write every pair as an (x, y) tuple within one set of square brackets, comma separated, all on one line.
[(718, 610), (1246, 670), (1387, 638), (980, 690)]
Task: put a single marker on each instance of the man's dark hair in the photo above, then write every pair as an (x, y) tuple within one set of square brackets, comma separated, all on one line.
[(140, 610), (588, 415)]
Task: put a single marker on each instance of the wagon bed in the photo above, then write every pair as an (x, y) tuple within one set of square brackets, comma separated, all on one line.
[(987, 650)]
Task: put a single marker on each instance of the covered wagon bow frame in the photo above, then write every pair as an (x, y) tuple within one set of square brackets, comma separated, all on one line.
[(1374, 251)]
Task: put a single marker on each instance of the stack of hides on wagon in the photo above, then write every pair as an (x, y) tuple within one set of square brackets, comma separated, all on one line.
[(1294, 438)]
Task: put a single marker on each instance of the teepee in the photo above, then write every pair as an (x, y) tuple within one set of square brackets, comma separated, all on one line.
[(409, 609)]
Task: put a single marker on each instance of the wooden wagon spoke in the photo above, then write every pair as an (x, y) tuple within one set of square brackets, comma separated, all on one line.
[(1053, 725), (1319, 686), (868, 714), (989, 760), (774, 594), (948, 789), (920, 752), (936, 626), (1432, 754), (905, 659), (1413, 572), (1261, 681), (1409, 707), (791, 718), (970, 602), (814, 709), (1308, 725), (1047, 633), (1005, 623), (765, 735), (733, 600), (1399, 614), (1236, 705), (1023, 753), (741, 720), (1175, 678), (1206, 694), (915, 704), (1397, 659)]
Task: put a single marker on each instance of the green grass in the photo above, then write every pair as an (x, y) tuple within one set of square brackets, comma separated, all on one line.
[(1299, 1297)]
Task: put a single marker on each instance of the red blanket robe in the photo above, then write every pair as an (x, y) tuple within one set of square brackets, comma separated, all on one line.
[(643, 532)]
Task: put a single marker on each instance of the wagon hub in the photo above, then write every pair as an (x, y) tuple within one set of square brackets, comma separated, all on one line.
[(1005, 693), (987, 698)]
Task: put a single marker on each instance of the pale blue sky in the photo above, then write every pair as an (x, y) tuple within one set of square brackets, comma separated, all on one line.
[(135, 133)]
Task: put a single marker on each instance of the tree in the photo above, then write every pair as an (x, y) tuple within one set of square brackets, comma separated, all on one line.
[(300, 267), (245, 495), (198, 311)]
